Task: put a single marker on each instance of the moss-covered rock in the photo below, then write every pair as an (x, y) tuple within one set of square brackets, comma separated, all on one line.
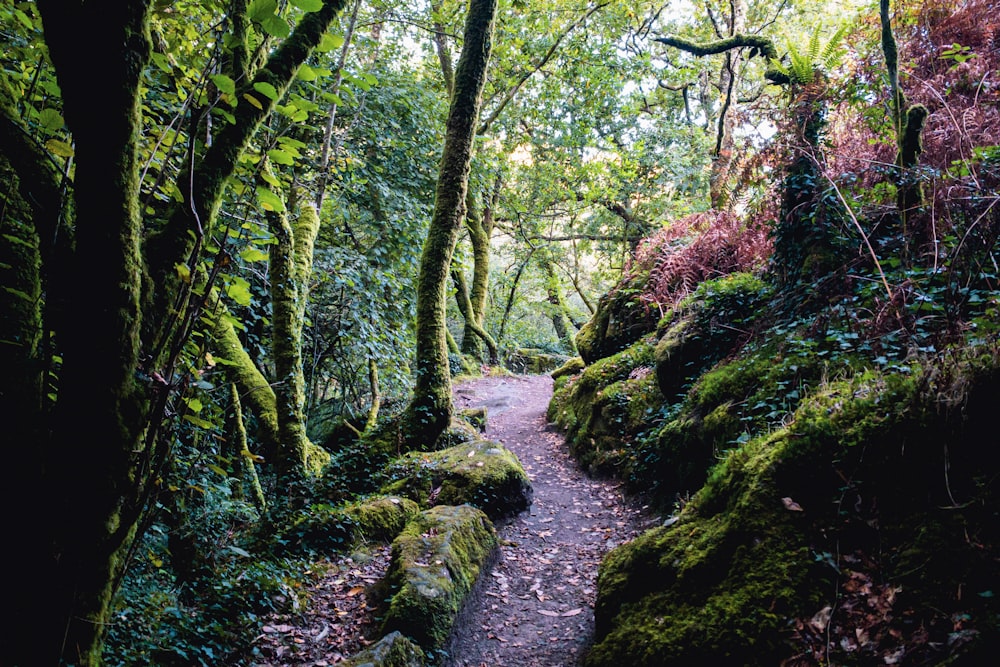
[(393, 650), (704, 328), (589, 405), (850, 490), (481, 473), (435, 563), (322, 528), (459, 432), (475, 417), (572, 367), (621, 319), (534, 362)]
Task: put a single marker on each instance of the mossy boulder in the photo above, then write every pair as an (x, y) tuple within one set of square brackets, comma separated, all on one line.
[(460, 431), (322, 528), (622, 318), (435, 563), (704, 328), (530, 361), (475, 417), (482, 473), (572, 367), (591, 406), (393, 650), (850, 490)]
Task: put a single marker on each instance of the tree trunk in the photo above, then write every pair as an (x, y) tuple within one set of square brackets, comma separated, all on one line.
[(291, 269), (92, 491), (430, 410)]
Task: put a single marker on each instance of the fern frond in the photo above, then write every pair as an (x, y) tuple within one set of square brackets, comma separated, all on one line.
[(834, 52), (814, 44)]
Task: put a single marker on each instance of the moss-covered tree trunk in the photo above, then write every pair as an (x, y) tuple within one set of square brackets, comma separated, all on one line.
[(291, 269), (480, 227), (96, 437), (559, 312), (909, 126), (429, 412)]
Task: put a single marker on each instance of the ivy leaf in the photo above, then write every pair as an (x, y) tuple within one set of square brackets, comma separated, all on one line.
[(224, 84), (266, 89), (306, 73), (329, 42), (261, 10), (239, 291), (308, 5), (252, 254), (276, 27), (51, 120)]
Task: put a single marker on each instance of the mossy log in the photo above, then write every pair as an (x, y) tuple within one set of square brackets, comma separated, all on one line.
[(435, 563), (481, 473)]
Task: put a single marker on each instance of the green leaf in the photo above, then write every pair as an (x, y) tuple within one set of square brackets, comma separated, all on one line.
[(329, 42), (194, 404), (271, 179), (252, 254), (308, 5), (306, 73), (24, 19), (199, 422), (261, 10), (224, 83), (266, 89), (239, 291), (60, 148), (253, 100), (51, 120), (269, 201), (280, 157), (216, 469), (239, 552), (276, 27)]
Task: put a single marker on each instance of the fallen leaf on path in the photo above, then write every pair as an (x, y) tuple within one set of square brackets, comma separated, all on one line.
[(572, 612), (548, 612)]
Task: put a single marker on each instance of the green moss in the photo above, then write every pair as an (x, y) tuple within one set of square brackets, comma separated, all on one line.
[(577, 406), (460, 431), (379, 518), (481, 473), (861, 460), (572, 366), (705, 327), (475, 417), (393, 650), (322, 528), (435, 563), (621, 319)]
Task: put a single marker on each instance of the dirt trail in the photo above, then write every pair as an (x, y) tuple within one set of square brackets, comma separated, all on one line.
[(536, 607)]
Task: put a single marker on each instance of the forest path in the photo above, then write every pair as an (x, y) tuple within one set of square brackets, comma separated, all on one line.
[(535, 608)]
